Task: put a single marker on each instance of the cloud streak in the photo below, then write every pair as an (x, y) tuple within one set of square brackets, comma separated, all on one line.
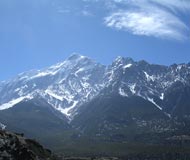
[(157, 18)]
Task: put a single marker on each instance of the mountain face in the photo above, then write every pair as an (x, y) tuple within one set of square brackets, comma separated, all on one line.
[(114, 118), (80, 99), (154, 83), (34, 115)]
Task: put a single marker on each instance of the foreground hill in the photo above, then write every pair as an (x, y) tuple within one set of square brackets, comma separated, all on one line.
[(16, 147)]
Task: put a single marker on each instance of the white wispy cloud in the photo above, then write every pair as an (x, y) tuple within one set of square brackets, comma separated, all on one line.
[(180, 5), (158, 24), (158, 18)]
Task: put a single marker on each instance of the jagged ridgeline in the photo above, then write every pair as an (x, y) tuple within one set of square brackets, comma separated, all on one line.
[(80, 106)]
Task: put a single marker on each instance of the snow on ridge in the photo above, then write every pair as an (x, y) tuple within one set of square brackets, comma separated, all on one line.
[(152, 101), (57, 66), (42, 74), (51, 93), (62, 66), (14, 102)]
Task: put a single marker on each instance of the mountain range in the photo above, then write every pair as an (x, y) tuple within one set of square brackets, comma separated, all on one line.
[(128, 104)]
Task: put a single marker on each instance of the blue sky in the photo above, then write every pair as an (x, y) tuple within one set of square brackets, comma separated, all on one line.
[(38, 33)]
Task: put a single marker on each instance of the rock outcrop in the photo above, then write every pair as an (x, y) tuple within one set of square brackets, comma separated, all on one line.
[(15, 147)]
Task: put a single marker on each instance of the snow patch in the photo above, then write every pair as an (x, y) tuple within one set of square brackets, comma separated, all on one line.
[(110, 75), (85, 85), (66, 110), (179, 67), (132, 88), (148, 77), (17, 89), (2, 126), (24, 77), (34, 85), (41, 74), (78, 71), (122, 92), (167, 114), (88, 94), (162, 96), (127, 66)]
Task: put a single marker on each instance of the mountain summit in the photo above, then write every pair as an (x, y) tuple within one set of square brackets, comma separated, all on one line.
[(64, 85)]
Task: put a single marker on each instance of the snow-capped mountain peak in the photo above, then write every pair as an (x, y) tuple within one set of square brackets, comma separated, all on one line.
[(69, 84), (64, 85)]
